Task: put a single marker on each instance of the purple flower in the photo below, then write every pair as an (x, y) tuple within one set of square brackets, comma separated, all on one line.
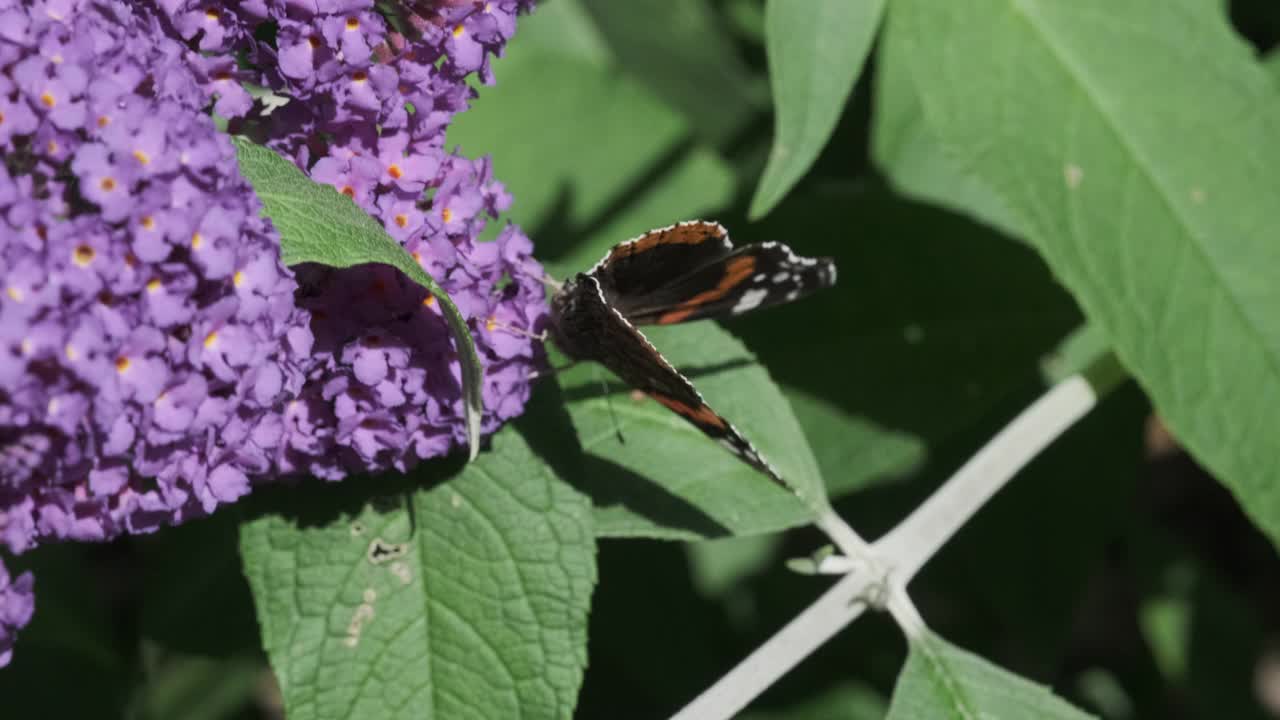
[(156, 358)]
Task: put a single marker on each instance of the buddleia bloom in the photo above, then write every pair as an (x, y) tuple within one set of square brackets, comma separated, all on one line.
[(156, 358), (367, 113)]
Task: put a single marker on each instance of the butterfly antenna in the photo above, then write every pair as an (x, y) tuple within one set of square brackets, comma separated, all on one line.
[(551, 282), (541, 277), (608, 402), (495, 325)]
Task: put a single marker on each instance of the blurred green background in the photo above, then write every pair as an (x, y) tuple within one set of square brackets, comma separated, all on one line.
[(1113, 569)]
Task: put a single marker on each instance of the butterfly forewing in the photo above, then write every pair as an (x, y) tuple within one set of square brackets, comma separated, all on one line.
[(643, 265), (750, 278)]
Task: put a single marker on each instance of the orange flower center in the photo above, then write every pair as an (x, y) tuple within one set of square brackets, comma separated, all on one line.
[(83, 255)]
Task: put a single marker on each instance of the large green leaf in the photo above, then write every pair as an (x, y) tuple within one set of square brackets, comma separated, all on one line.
[(597, 158), (655, 475), (462, 595), (1271, 61), (320, 225), (696, 70), (816, 50), (1135, 143), (943, 682), (904, 149)]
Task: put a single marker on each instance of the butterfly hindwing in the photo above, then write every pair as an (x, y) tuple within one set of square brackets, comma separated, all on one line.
[(589, 329)]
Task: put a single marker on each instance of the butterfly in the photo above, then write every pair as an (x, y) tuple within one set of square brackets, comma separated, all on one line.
[(689, 271)]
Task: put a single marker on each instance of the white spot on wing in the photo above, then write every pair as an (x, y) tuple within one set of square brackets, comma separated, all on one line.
[(730, 445), (750, 300)]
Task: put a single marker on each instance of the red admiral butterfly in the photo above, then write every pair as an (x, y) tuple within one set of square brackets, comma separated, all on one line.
[(688, 271)]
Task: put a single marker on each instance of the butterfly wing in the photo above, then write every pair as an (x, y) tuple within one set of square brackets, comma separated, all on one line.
[(749, 278), (589, 329), (643, 265)]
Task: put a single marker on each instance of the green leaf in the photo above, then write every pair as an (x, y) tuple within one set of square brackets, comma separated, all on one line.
[(695, 183), (816, 50), (680, 52), (467, 599), (1134, 142), (320, 225), (718, 567), (193, 687), (664, 478), (905, 150), (852, 449), (943, 681), (564, 28), (597, 159), (1271, 62)]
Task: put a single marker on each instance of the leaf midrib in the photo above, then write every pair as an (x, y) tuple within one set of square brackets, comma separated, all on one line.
[(1027, 11)]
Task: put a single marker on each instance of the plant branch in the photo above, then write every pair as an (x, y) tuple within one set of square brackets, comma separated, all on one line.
[(837, 607), (909, 546), (886, 567)]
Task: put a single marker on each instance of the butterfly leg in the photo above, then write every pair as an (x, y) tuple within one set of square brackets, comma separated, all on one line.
[(534, 375)]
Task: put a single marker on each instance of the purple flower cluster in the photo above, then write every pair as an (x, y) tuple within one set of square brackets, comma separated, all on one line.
[(156, 358), (146, 323), (367, 114)]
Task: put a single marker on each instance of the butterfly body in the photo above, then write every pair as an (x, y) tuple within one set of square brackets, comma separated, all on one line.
[(684, 272)]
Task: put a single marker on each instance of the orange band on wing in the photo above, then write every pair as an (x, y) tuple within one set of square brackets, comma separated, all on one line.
[(702, 414), (686, 234), (737, 270)]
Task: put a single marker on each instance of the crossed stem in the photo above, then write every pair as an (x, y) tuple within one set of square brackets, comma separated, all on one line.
[(876, 575)]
